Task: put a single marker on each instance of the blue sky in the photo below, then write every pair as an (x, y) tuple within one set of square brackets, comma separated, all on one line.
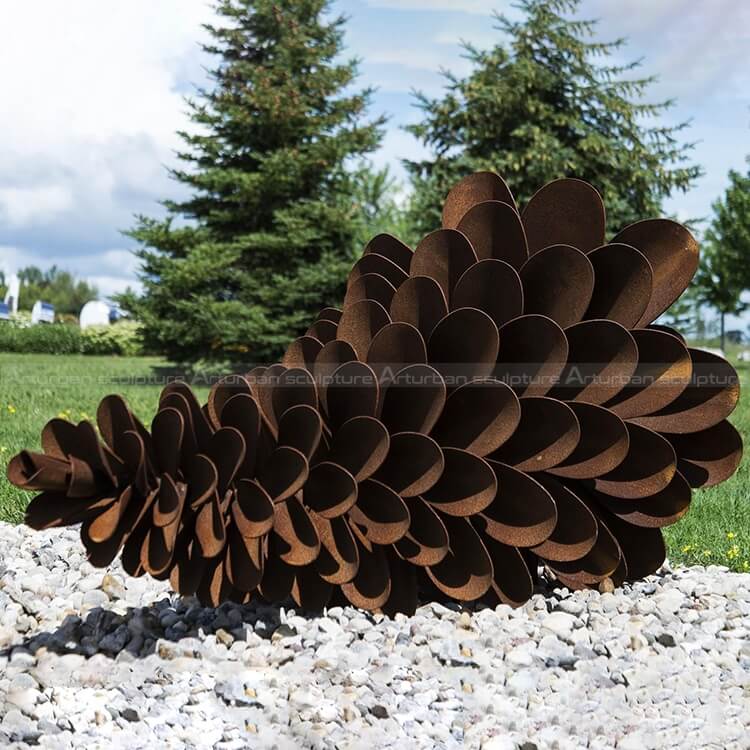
[(91, 96)]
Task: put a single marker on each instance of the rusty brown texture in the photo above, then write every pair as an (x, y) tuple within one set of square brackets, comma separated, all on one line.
[(493, 402)]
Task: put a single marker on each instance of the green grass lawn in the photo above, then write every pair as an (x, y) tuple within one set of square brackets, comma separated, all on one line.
[(34, 388), (717, 527)]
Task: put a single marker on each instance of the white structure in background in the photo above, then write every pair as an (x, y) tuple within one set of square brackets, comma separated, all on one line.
[(42, 312), (11, 296), (96, 313)]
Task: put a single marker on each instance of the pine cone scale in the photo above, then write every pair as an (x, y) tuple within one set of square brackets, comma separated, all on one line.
[(495, 401)]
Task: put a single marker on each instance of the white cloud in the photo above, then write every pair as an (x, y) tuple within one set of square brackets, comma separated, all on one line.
[(483, 7), (90, 70), (89, 106), (424, 57), (108, 286), (21, 206), (110, 271), (92, 96), (482, 36), (696, 49), (398, 145)]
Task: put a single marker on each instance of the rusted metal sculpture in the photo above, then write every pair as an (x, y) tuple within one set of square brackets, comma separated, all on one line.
[(496, 400)]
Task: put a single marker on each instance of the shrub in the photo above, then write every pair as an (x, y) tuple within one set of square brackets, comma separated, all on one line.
[(66, 318), (21, 319), (60, 338), (122, 338), (56, 338)]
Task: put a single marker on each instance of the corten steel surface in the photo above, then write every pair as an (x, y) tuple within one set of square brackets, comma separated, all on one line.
[(494, 400)]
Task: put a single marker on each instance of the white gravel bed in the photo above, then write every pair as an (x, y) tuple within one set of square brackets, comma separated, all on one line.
[(91, 658)]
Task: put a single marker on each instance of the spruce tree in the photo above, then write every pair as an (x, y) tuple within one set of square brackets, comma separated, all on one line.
[(542, 104), (269, 229), (724, 272)]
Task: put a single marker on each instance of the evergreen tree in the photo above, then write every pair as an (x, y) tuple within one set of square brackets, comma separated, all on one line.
[(543, 104), (684, 314), (269, 230), (379, 208), (724, 272)]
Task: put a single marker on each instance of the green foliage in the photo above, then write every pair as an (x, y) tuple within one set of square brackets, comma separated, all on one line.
[(37, 387), (380, 202), (59, 288), (270, 229), (22, 318), (57, 338), (716, 530), (724, 271), (121, 339), (686, 315), (542, 104), (681, 314)]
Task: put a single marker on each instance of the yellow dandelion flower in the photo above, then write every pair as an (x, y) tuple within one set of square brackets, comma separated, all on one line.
[(707, 553), (687, 548), (731, 535), (11, 409)]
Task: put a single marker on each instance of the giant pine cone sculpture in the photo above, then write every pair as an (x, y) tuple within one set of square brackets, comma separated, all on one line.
[(496, 400)]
